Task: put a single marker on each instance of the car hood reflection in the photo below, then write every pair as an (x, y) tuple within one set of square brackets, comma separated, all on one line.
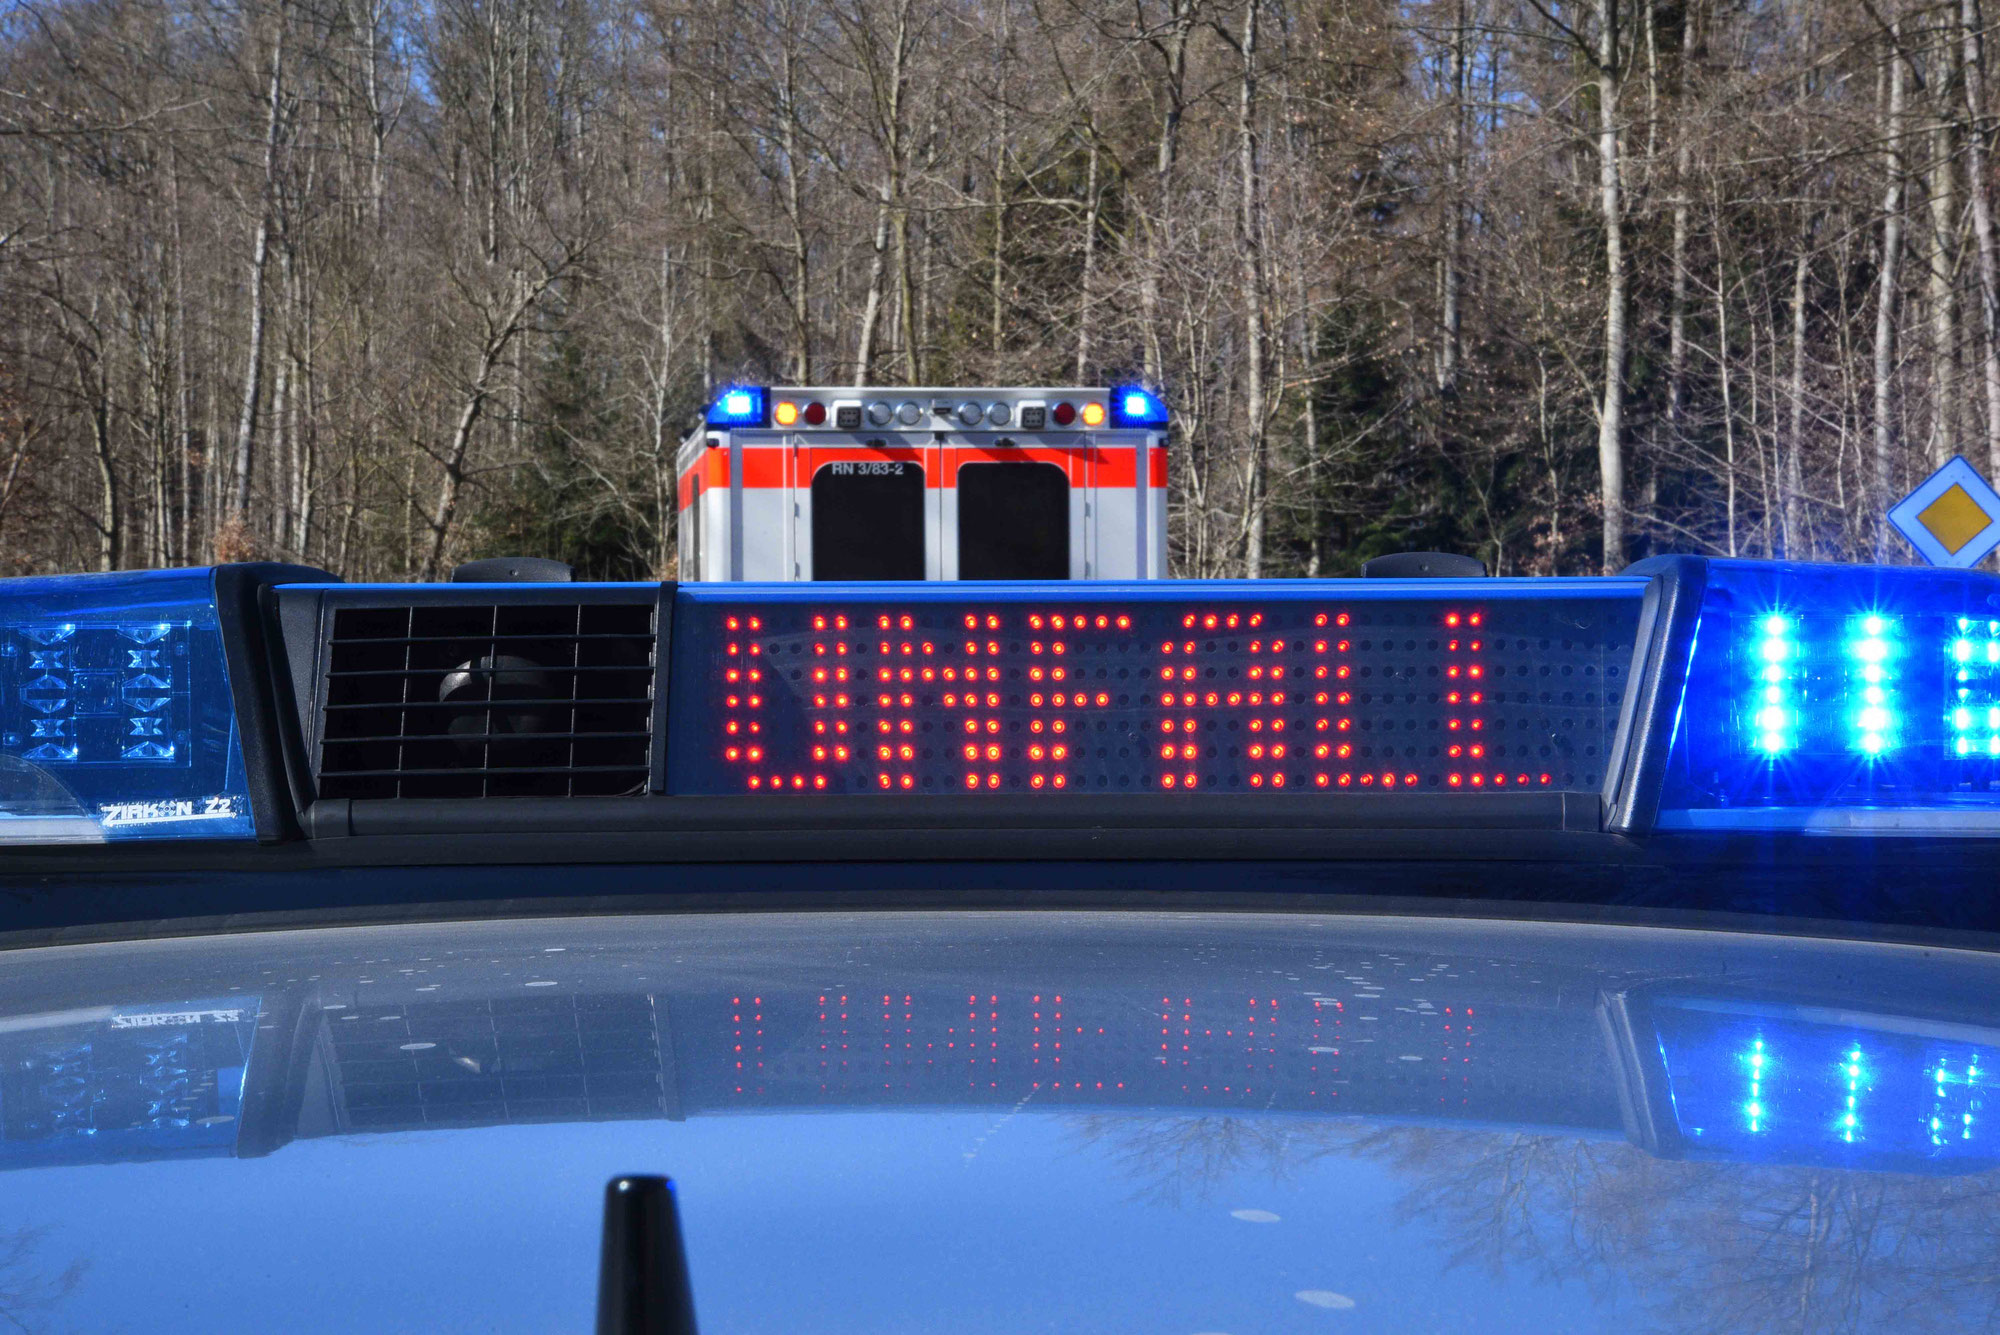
[(1713, 1130)]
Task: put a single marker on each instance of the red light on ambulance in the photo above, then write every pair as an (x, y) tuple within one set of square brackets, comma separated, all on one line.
[(1063, 414), (815, 414)]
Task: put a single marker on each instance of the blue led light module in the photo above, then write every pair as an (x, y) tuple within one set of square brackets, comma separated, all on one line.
[(739, 405), (116, 719), (1839, 698)]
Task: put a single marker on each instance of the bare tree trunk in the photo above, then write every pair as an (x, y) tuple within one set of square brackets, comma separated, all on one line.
[(378, 116), (94, 384), (1250, 234), (906, 299), (705, 232), (410, 515), (1085, 284), (497, 62), (159, 443), (21, 448), (305, 425), (997, 332), (1651, 22), (1885, 301), (1981, 190), (1454, 219), (1764, 400), (1611, 413), (110, 548), (665, 462), (1677, 301), (889, 85), (281, 467), (182, 552), (1795, 436), (1722, 362), (795, 216), (454, 470), (253, 375), (1160, 234), (1844, 357), (871, 306), (1939, 284), (1316, 540)]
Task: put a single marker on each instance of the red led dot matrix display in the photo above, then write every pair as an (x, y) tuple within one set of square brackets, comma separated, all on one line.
[(1228, 688), (1324, 692)]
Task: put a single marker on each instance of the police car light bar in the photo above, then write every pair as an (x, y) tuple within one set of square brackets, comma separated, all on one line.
[(1684, 696)]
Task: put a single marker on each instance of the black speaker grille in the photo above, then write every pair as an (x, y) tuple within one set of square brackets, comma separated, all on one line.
[(528, 699)]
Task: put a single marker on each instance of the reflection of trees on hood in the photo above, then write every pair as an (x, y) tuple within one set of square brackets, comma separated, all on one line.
[(24, 1287), (1705, 1247), (1173, 1159), (1711, 1246)]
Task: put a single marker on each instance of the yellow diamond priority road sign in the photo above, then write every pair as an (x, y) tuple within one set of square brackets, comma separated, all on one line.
[(1953, 518)]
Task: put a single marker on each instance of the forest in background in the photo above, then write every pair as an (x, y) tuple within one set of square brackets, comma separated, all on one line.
[(382, 285)]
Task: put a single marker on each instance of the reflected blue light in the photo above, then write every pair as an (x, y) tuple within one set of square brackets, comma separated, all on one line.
[(1958, 1094), (141, 1081), (1754, 1109), (1850, 1116), (1797, 1083)]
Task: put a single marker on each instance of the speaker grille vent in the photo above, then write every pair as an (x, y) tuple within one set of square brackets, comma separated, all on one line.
[(527, 699)]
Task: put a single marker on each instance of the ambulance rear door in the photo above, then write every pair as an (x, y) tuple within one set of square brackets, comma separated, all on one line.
[(1015, 509), (865, 507)]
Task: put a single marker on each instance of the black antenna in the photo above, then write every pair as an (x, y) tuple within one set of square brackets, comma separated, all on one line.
[(642, 1276)]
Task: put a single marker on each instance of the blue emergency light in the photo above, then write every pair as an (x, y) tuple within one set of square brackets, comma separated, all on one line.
[(1132, 406), (1831, 697), (116, 718), (739, 405)]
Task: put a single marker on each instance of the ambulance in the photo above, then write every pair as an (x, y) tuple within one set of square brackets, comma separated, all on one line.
[(793, 484)]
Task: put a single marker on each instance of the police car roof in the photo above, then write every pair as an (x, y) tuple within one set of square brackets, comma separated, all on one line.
[(1209, 1120)]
